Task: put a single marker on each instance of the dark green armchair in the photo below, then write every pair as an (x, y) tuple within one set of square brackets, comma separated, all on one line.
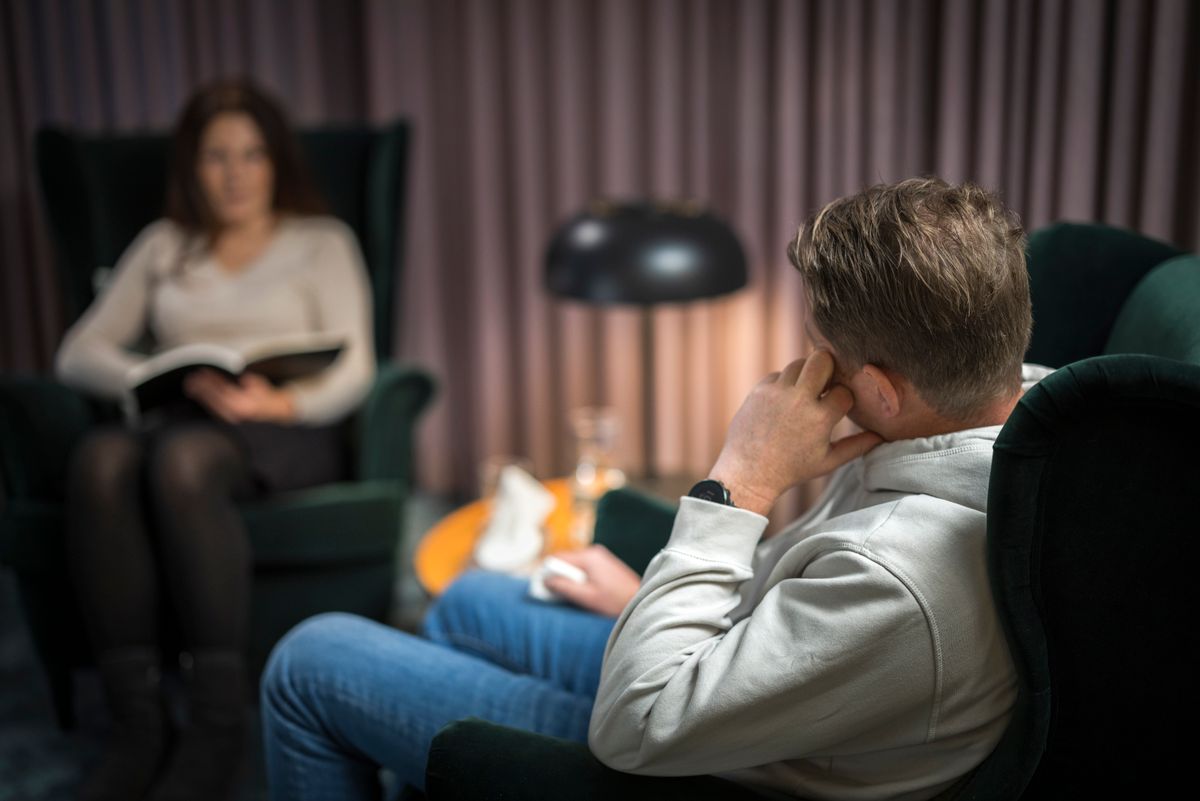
[(1080, 276), (326, 548), (1092, 554), (1097, 462)]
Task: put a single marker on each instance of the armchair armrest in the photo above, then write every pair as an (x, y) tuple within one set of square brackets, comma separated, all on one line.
[(474, 760), (40, 423), (386, 421), (634, 526)]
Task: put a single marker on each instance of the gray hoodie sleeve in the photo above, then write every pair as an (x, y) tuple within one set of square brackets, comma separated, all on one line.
[(822, 658)]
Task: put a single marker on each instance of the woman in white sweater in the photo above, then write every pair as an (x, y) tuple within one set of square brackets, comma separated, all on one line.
[(242, 256)]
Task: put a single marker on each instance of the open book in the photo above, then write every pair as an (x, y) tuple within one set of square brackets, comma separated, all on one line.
[(157, 382)]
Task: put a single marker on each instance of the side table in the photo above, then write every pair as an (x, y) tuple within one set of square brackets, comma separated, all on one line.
[(446, 549)]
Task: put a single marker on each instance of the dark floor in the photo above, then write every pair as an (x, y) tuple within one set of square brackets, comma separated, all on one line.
[(38, 762)]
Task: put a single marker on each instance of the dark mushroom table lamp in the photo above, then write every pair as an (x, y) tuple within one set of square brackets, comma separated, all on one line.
[(644, 253)]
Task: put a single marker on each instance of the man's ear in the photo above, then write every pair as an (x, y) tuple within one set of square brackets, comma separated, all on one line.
[(885, 393)]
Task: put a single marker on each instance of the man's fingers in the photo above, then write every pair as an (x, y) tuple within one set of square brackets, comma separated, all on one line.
[(839, 399), (583, 595), (816, 372), (770, 378), (850, 448), (565, 587), (791, 373)]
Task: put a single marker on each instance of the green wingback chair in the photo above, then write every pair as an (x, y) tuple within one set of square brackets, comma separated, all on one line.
[(331, 547), (1092, 549), (1080, 276), (1115, 436)]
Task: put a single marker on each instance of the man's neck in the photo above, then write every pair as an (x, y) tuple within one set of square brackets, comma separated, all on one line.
[(928, 423)]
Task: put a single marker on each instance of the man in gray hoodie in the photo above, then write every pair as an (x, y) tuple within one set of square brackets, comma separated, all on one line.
[(855, 655)]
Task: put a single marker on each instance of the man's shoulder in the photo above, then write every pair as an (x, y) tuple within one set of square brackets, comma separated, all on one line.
[(923, 530), (919, 535), (911, 519)]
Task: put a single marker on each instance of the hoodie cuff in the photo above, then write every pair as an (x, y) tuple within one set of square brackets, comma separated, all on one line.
[(715, 531)]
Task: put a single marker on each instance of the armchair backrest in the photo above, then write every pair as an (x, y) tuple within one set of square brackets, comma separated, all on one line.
[(1080, 275), (1162, 315), (1092, 550), (101, 190)]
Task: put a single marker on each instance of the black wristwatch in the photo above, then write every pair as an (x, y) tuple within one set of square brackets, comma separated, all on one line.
[(711, 490)]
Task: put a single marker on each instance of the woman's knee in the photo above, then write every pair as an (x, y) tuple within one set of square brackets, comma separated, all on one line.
[(194, 460), (105, 464)]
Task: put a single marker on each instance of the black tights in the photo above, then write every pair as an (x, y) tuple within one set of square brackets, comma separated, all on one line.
[(137, 501)]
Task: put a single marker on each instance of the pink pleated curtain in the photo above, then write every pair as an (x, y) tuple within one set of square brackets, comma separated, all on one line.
[(524, 110)]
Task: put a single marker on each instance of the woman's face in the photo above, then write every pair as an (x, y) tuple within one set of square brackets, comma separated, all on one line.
[(234, 170)]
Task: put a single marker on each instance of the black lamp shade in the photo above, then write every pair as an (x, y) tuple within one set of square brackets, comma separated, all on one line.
[(644, 253)]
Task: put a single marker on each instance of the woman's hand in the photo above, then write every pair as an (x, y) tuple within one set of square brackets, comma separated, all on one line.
[(252, 399), (610, 586)]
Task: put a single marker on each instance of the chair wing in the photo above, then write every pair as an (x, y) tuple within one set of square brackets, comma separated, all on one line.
[(1079, 277), (1092, 547)]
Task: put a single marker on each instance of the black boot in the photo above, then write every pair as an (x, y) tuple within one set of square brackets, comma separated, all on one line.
[(138, 743), (207, 763)]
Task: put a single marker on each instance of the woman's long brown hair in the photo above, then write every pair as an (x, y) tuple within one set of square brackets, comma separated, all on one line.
[(294, 190)]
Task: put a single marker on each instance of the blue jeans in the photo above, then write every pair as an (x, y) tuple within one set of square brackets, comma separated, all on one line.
[(342, 695)]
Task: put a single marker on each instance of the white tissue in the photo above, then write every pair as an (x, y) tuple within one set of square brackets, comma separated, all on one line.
[(553, 566), (513, 538)]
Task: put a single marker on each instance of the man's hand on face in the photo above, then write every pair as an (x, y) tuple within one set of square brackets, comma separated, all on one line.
[(610, 586), (783, 434)]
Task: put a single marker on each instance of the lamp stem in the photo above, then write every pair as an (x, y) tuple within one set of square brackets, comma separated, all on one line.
[(648, 428)]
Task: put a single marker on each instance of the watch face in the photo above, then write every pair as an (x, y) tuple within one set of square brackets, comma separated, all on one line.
[(709, 490)]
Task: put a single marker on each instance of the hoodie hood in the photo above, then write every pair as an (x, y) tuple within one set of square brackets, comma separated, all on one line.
[(954, 467)]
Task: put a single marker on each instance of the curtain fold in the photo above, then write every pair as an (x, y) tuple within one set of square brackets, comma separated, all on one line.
[(524, 111)]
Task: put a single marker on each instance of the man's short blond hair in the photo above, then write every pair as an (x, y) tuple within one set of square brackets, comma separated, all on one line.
[(926, 279)]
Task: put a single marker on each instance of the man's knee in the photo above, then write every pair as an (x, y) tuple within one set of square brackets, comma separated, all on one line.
[(301, 662), (471, 602)]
